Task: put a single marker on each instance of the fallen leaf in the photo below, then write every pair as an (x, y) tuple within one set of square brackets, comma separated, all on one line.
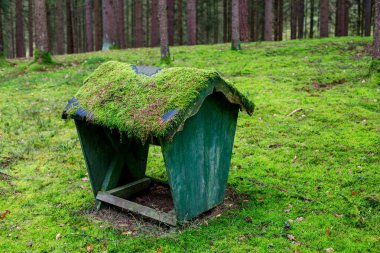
[(58, 236), (2, 216), (339, 215), (299, 219), (159, 250), (30, 243), (61, 225), (290, 221), (328, 232), (260, 198), (354, 193), (290, 237), (127, 232), (242, 238), (329, 250), (287, 211), (85, 179), (297, 243), (89, 247), (290, 205), (245, 200)]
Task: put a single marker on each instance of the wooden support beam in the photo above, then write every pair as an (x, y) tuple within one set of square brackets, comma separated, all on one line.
[(167, 218), (128, 190)]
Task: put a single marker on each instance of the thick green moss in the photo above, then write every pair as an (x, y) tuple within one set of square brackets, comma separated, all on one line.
[(134, 103), (375, 70), (42, 57)]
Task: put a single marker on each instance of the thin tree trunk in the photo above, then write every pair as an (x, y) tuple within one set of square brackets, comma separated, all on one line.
[(50, 24), (154, 38), (1, 35), (216, 20), (20, 48), (281, 19), (376, 33), (120, 23), (311, 34), (301, 17), (60, 29), (235, 25), (179, 19), (276, 21), (191, 10), (139, 40), (164, 38), (367, 17), (341, 18), (253, 20), (324, 18), (89, 32), (170, 13), (42, 42), (346, 17), (147, 25), (98, 24), (268, 20), (30, 27), (293, 19), (243, 20), (359, 18), (225, 21), (110, 36), (69, 29)]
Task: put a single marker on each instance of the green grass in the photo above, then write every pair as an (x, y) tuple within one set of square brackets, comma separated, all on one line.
[(327, 152)]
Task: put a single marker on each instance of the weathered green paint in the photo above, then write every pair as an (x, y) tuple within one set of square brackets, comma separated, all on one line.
[(198, 158)]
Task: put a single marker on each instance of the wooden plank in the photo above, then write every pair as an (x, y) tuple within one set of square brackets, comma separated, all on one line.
[(137, 208), (128, 190)]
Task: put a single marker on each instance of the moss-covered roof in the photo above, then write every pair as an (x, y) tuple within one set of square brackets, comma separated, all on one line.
[(154, 104)]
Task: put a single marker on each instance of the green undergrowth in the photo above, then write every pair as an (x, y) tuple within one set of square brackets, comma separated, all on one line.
[(313, 143), (116, 97)]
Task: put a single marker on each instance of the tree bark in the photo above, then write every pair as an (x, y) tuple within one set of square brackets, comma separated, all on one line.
[(170, 13), (89, 32), (110, 36), (60, 29), (120, 23), (293, 19), (324, 18), (376, 33), (154, 37), (20, 48), (1, 35), (300, 18), (69, 29), (30, 27), (235, 25), (98, 24), (191, 10), (139, 41), (42, 42), (268, 20), (180, 20), (164, 38), (311, 33), (341, 24), (225, 21), (243, 20), (367, 17)]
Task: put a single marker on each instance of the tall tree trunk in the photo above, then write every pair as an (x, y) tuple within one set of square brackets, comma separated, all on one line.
[(179, 20), (311, 34), (346, 17), (225, 21), (281, 19), (293, 19), (275, 26), (147, 25), (98, 24), (170, 13), (367, 17), (253, 20), (324, 18), (268, 20), (69, 28), (164, 38), (1, 35), (243, 20), (154, 38), (341, 24), (376, 33), (139, 41), (191, 10), (89, 32), (235, 25), (30, 27), (301, 17), (110, 36), (51, 19), (20, 48), (60, 29), (42, 41), (120, 23)]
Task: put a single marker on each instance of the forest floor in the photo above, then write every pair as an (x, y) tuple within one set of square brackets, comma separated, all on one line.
[(305, 166)]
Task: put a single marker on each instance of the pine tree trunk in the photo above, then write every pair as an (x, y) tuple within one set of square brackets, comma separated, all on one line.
[(98, 24), (89, 32), (30, 27), (180, 20), (301, 17), (154, 38), (1, 35), (324, 18), (120, 23), (367, 17), (376, 33), (341, 22), (191, 10), (164, 38), (346, 17), (69, 29), (281, 19), (110, 36), (170, 13), (253, 20), (311, 33), (275, 26), (20, 48), (139, 41), (42, 41), (293, 19), (268, 20), (51, 25), (225, 21), (235, 25), (60, 30), (243, 20)]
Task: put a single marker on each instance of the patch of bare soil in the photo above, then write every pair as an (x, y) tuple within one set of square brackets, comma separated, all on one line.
[(159, 198)]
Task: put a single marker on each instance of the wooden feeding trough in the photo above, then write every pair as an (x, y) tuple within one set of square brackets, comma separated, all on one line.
[(122, 109)]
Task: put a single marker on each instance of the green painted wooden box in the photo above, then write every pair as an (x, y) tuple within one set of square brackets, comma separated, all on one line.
[(122, 109)]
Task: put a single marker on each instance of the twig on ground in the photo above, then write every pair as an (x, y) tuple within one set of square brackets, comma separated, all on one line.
[(295, 111)]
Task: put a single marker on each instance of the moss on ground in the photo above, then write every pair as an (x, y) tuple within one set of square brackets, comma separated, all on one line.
[(118, 98)]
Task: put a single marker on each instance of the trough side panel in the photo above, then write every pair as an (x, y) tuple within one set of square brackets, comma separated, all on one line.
[(198, 158)]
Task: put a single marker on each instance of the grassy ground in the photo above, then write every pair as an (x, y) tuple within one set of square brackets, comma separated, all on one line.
[(325, 154)]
